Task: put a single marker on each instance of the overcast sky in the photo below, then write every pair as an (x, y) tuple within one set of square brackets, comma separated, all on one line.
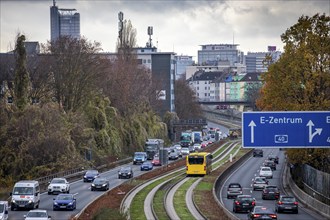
[(179, 26)]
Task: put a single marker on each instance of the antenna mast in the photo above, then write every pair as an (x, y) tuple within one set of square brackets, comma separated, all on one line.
[(54, 3), (150, 32)]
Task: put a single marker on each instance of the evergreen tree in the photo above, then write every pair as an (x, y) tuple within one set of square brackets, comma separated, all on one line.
[(22, 80)]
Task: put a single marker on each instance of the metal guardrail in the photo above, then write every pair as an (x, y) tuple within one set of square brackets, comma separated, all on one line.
[(77, 173)]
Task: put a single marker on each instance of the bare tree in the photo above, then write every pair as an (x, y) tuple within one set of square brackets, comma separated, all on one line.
[(76, 69), (185, 101)]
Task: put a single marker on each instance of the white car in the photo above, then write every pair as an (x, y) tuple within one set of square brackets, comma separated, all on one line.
[(197, 147), (58, 185), (185, 150), (266, 172), (37, 214)]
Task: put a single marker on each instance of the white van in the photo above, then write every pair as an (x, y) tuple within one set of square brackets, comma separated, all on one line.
[(3, 210), (26, 194)]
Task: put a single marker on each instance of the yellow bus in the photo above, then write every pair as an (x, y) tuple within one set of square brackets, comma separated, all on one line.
[(199, 163)]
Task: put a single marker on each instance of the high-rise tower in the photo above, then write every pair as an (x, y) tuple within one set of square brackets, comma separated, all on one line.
[(64, 22)]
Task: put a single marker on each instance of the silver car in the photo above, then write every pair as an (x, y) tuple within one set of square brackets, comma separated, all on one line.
[(259, 183)]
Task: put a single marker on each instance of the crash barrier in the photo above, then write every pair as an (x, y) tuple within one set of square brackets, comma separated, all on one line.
[(221, 179), (77, 173)]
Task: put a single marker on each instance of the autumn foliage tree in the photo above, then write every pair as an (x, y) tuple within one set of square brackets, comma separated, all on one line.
[(300, 80)]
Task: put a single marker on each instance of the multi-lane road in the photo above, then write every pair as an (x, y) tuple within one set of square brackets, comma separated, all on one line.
[(83, 192), (245, 175)]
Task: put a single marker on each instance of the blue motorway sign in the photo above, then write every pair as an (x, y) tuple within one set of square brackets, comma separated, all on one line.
[(286, 129)]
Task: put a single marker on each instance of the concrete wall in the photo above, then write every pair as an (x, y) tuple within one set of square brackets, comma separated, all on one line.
[(303, 197)]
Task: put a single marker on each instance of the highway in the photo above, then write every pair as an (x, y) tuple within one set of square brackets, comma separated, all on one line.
[(84, 196), (245, 174)]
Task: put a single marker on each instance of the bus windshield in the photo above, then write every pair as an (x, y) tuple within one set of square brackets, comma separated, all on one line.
[(195, 160)]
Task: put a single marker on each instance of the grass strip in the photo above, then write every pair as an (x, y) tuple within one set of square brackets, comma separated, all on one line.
[(158, 202), (180, 200), (215, 165), (137, 206), (220, 150)]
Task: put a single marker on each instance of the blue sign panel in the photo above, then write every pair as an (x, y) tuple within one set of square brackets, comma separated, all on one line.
[(286, 129)]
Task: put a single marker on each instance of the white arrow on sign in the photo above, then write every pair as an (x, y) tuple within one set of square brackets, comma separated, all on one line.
[(252, 125), (318, 131)]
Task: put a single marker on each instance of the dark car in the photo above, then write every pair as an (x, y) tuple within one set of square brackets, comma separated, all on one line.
[(90, 175), (64, 201), (233, 190), (273, 158), (270, 192), (271, 164), (100, 184), (146, 166), (261, 212), (243, 203), (258, 153), (125, 172), (286, 204)]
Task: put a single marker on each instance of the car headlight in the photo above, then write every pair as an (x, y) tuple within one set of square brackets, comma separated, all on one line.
[(93, 184), (85, 176), (104, 184), (70, 203), (13, 201), (129, 173), (119, 173), (95, 176), (55, 203), (30, 201)]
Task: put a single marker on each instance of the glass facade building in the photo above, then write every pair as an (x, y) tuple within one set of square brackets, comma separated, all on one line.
[(64, 22)]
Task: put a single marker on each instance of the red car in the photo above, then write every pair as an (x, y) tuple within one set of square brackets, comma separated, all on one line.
[(156, 161)]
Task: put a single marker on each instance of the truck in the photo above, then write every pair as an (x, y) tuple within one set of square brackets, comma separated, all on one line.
[(186, 138), (197, 137), (152, 147)]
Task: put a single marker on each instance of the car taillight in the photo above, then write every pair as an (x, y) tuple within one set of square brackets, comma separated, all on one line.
[(296, 203), (253, 203), (280, 203), (256, 215), (273, 215), (186, 167), (204, 168), (237, 202)]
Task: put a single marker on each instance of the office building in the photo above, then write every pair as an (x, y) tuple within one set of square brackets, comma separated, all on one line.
[(182, 62), (162, 66), (255, 61), (211, 54), (64, 22)]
